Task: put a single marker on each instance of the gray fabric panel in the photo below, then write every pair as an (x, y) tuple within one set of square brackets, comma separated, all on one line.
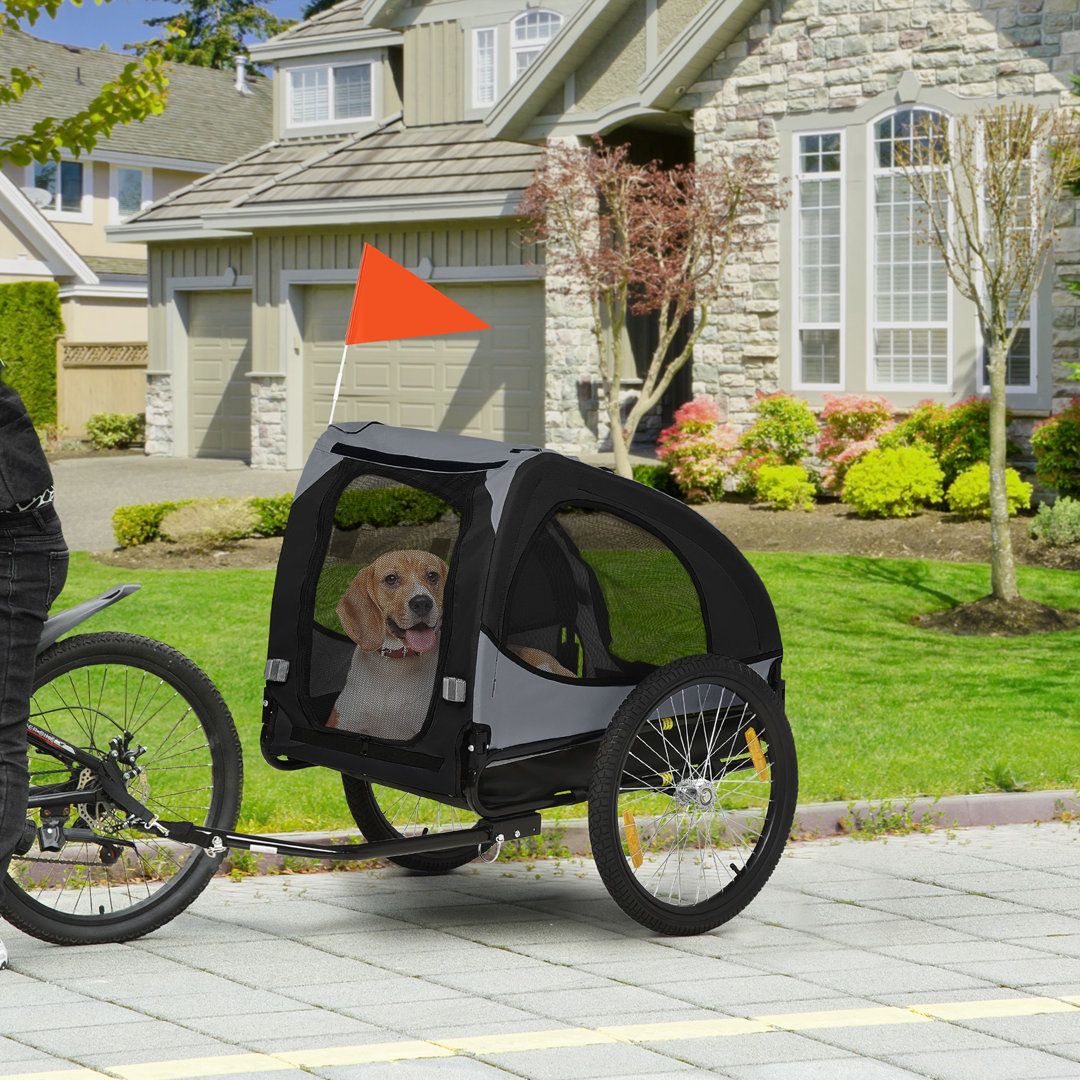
[(498, 484), (424, 445), (520, 707)]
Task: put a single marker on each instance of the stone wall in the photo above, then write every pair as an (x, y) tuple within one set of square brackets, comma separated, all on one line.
[(829, 57), (159, 414), (268, 405)]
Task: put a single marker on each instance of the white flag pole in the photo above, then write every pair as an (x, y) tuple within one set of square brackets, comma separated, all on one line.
[(337, 385)]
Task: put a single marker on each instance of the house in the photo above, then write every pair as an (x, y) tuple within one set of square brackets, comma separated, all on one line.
[(54, 216), (415, 128)]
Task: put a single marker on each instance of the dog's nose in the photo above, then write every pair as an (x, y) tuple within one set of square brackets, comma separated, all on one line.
[(420, 605)]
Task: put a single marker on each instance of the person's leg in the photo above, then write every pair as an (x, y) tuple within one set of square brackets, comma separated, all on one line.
[(33, 567)]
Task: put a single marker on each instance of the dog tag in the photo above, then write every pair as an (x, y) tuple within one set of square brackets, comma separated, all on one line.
[(453, 689)]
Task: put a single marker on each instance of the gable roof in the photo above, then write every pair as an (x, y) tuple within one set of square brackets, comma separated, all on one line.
[(674, 71), (72, 76), (337, 29)]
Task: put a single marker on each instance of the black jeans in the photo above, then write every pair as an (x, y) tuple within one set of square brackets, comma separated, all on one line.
[(33, 567)]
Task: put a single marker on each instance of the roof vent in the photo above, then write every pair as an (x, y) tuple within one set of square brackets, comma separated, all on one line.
[(241, 84)]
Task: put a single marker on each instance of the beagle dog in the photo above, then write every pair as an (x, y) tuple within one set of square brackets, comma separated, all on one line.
[(393, 610)]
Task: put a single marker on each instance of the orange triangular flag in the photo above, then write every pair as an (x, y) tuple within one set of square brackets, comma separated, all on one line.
[(390, 303)]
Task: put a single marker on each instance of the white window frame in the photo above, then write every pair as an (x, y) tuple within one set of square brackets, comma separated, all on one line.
[(874, 171), (329, 120), (478, 102), (115, 215), (85, 214), (517, 48), (798, 324)]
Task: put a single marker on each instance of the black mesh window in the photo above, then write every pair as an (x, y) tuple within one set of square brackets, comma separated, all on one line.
[(379, 605), (603, 598)]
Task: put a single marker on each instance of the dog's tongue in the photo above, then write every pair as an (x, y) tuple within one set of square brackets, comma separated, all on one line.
[(420, 638)]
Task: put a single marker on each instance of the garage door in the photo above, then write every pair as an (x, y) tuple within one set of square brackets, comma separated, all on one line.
[(219, 358), (489, 383)]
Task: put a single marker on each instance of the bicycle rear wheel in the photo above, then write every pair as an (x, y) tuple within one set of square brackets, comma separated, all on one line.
[(693, 794), (112, 882)]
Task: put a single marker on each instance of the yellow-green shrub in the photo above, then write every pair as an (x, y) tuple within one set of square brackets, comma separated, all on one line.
[(785, 486), (209, 523), (893, 483), (969, 493), (139, 523)]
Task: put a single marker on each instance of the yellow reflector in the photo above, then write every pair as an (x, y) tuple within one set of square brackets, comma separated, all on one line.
[(667, 723), (756, 755), (633, 844), (667, 778)]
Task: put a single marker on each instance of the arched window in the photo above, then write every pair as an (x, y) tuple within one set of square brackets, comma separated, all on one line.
[(529, 33), (911, 289)]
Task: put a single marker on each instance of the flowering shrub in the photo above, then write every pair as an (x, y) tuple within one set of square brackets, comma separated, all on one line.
[(1056, 443), (785, 486), (698, 449), (850, 426), (893, 482), (779, 436), (969, 493)]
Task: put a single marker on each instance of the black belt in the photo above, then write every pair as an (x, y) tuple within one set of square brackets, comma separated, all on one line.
[(36, 503)]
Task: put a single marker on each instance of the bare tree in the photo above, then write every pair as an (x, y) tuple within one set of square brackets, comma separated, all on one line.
[(989, 185), (640, 239)]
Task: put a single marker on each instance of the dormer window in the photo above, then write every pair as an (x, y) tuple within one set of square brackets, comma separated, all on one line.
[(529, 34), (323, 95)]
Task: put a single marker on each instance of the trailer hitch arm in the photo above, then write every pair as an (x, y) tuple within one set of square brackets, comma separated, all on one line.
[(485, 831)]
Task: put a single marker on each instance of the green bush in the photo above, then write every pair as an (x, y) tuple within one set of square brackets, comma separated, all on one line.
[(785, 486), (273, 513), (1056, 443), (658, 477), (209, 523), (141, 522), (969, 494), (959, 435), (388, 506), (780, 435), (30, 323), (783, 428), (115, 431), (1058, 524), (893, 482)]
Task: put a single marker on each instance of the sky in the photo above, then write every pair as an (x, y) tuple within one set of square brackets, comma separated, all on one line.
[(119, 21)]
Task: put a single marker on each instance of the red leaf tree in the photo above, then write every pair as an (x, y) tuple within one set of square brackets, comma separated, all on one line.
[(641, 239)]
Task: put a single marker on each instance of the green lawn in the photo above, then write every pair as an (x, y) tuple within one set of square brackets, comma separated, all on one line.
[(879, 708)]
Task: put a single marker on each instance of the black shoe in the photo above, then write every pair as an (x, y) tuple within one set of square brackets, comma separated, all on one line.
[(26, 841)]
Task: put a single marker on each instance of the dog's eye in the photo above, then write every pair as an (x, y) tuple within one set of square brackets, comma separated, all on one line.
[(391, 579), (432, 577)]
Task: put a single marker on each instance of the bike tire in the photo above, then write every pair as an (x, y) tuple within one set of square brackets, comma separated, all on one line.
[(693, 794), (87, 690), (383, 813)]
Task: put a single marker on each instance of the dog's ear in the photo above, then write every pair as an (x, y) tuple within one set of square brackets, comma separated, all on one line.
[(360, 616)]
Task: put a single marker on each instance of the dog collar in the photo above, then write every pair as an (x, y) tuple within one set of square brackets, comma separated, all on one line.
[(398, 654)]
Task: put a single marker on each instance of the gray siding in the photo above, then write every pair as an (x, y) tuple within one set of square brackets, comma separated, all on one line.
[(434, 74)]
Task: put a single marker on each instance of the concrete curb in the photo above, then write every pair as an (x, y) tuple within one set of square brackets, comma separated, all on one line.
[(812, 821)]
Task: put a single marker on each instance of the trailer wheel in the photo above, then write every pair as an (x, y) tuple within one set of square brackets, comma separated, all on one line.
[(693, 794), (384, 813)]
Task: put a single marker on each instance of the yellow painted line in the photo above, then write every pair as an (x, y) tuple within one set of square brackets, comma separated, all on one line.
[(225, 1065), (687, 1029), (990, 1010), (834, 1018), (562, 1038), (517, 1041), (362, 1055)]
